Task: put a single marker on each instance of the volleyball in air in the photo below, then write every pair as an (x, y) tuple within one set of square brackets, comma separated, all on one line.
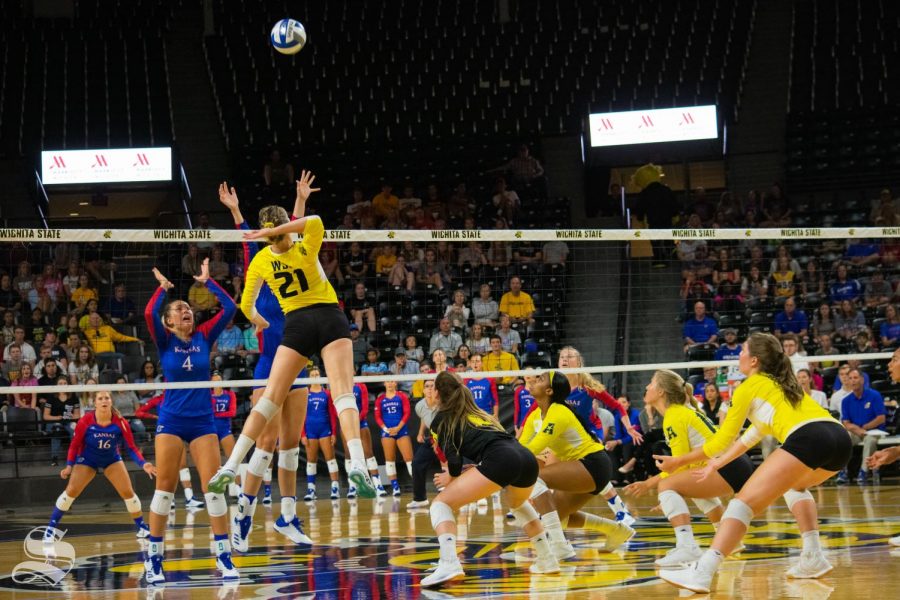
[(288, 36)]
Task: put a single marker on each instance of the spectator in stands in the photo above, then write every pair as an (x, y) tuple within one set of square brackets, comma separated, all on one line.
[(393, 221), (9, 297), (844, 288), (694, 290), (473, 255), (687, 249), (119, 308), (804, 378), (862, 343), (409, 202), (413, 349), (523, 169), (463, 354), (218, 267), (60, 414), (701, 205), (823, 321), (506, 202), (555, 252), (813, 283), (440, 362), (37, 327), (700, 329), (528, 253), (419, 386), (46, 364), (461, 203), (72, 278), (754, 286), (791, 320), (358, 207), (725, 270), (384, 202), (791, 346), (709, 378), (783, 252), (28, 353), (403, 366), (826, 348), (878, 291), (432, 272), (53, 282), (355, 264), (785, 281), (517, 304), (83, 293), (862, 411), (775, 208), (400, 276), (103, 338), (328, 258), (98, 263), (72, 345), (360, 345), (276, 171), (421, 219), (127, 403), (434, 205), (24, 279), (848, 321), (203, 302), (7, 330), (444, 252), (374, 365), (477, 341), (386, 260), (12, 365), (884, 202), (862, 252), (40, 297), (485, 309), (714, 406), (889, 330), (84, 316), (622, 445), (413, 255), (190, 263), (445, 339), (229, 342), (499, 254), (841, 390), (499, 360), (509, 337), (361, 308), (26, 379), (730, 349), (458, 312), (149, 374)]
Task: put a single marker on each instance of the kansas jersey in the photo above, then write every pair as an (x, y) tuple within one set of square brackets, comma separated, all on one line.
[(295, 277), (361, 392), (484, 391), (581, 399), (391, 411), (761, 401), (320, 414), (187, 360), (523, 403), (99, 444), (686, 429), (561, 431), (224, 405)]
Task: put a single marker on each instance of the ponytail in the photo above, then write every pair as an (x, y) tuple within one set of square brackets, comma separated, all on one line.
[(675, 388), (689, 398), (457, 404), (776, 365)]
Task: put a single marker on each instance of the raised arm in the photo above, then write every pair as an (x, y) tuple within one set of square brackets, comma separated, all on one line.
[(154, 307), (303, 192)]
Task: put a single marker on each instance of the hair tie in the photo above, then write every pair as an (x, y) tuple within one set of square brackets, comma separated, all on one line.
[(268, 225), (551, 374)]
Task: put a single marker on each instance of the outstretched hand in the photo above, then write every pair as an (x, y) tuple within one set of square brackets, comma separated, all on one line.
[(163, 282), (638, 488), (228, 196), (258, 234), (150, 470), (204, 272), (304, 184)]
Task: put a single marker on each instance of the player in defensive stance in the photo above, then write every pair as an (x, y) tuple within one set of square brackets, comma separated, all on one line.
[(95, 445), (462, 430), (583, 468), (284, 428), (686, 429), (814, 447), (314, 324), (186, 415), (889, 455)]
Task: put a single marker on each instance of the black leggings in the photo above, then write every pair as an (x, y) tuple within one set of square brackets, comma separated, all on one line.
[(424, 459)]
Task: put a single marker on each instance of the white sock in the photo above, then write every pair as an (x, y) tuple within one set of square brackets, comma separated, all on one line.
[(811, 542), (356, 451), (541, 546), (448, 548), (710, 561), (553, 527), (616, 504), (684, 536), (595, 523), (409, 468), (288, 508), (241, 448), (376, 480), (188, 494)]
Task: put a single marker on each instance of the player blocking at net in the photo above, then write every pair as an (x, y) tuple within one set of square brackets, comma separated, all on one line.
[(314, 324)]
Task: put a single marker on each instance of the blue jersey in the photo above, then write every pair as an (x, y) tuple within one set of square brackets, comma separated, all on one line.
[(581, 402), (523, 402), (484, 391), (99, 444), (319, 407), (187, 361), (391, 411)]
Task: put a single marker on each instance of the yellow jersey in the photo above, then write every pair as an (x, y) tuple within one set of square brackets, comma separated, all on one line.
[(295, 277), (762, 401), (561, 431), (686, 429)]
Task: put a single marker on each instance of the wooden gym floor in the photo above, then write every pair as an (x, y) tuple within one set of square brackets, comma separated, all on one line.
[(373, 550)]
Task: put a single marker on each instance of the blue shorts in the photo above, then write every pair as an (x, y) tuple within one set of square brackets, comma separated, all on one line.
[(315, 431), (264, 368), (97, 462), (223, 427), (187, 428), (403, 432)]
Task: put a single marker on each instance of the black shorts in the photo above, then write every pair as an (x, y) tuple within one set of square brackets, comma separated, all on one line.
[(737, 472), (507, 462), (820, 445), (309, 329), (600, 468)]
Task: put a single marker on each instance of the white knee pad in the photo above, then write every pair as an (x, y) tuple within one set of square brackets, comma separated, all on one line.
[(707, 505), (792, 497), (673, 504), (539, 488), (64, 502), (525, 514), (133, 504), (311, 469), (739, 510), (266, 408), (440, 513), (184, 474), (162, 502), (289, 460), (332, 466), (215, 504), (259, 462), (345, 402), (390, 467), (372, 463)]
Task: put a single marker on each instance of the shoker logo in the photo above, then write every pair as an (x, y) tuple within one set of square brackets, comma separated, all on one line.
[(58, 162), (142, 160), (99, 161), (51, 558)]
